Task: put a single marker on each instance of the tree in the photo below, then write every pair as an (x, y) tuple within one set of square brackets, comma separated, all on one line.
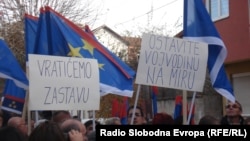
[(12, 18)]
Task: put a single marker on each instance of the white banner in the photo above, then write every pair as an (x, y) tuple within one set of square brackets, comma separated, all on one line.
[(172, 63), (63, 83)]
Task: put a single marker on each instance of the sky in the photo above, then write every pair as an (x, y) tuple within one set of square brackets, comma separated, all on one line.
[(123, 15)]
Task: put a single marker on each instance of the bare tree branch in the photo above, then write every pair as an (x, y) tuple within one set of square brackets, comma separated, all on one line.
[(12, 18)]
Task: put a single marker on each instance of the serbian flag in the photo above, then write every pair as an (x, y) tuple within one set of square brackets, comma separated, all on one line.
[(198, 26), (124, 108), (192, 122), (178, 111), (154, 99), (115, 108), (178, 107)]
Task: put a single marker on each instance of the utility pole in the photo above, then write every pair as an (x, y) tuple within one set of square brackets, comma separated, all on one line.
[(150, 14)]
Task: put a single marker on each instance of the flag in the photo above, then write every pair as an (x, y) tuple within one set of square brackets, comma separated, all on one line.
[(56, 35), (119, 109), (13, 97), (198, 26), (10, 68), (124, 108), (115, 108), (154, 99), (191, 122), (178, 107), (30, 28), (178, 111)]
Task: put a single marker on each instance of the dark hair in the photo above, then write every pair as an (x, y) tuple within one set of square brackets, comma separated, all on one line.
[(239, 105), (208, 120), (90, 122), (178, 120), (92, 136), (163, 118), (1, 113), (46, 114), (61, 111), (9, 133), (47, 131), (237, 102), (56, 115), (137, 107)]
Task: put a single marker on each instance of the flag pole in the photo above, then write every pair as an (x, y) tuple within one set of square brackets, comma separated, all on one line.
[(191, 108), (25, 107), (29, 122), (184, 104), (94, 124), (136, 101)]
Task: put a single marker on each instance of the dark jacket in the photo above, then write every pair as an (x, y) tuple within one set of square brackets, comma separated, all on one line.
[(224, 121)]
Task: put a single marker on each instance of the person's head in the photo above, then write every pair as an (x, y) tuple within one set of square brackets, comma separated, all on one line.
[(45, 115), (1, 119), (60, 116), (9, 133), (113, 121), (178, 120), (138, 115), (208, 120), (89, 125), (19, 123), (233, 109), (163, 119), (47, 131), (73, 124), (32, 123), (92, 136)]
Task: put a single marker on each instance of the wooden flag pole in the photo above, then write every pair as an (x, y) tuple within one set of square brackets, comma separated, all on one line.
[(191, 108), (136, 101), (184, 104)]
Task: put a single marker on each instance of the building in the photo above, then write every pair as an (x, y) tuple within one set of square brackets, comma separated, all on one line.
[(233, 25), (113, 41)]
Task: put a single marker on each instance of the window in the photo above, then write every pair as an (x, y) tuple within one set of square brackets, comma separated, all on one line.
[(218, 9), (241, 90)]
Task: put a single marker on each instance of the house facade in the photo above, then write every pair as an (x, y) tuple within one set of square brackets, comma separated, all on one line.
[(232, 20)]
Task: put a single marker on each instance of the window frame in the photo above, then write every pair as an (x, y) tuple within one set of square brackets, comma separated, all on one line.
[(219, 10)]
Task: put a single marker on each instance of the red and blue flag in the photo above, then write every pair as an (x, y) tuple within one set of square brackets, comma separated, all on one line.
[(58, 36), (154, 99)]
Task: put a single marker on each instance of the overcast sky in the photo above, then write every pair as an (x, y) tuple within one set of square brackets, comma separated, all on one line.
[(122, 15)]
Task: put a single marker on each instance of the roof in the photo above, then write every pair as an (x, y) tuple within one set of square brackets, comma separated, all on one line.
[(111, 32)]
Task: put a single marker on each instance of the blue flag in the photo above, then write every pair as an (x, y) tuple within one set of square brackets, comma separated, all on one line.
[(198, 26), (10, 68), (14, 97), (30, 28), (56, 35)]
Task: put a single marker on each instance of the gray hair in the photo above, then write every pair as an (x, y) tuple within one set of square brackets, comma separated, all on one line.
[(111, 120)]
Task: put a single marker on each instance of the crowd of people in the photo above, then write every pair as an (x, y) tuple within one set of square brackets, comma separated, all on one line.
[(233, 116), (61, 126)]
